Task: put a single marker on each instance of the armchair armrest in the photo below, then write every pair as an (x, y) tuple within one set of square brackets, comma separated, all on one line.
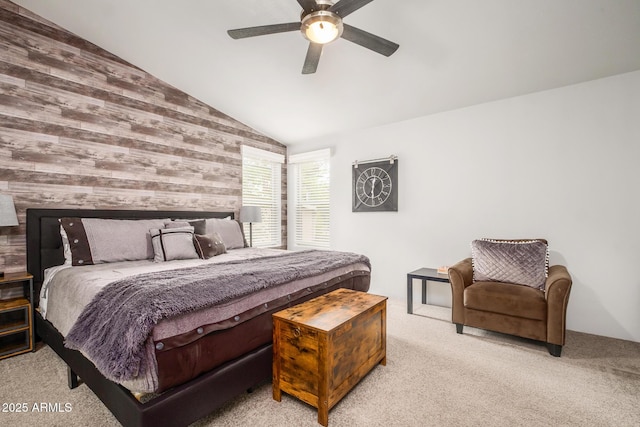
[(462, 273), (557, 290), (460, 276)]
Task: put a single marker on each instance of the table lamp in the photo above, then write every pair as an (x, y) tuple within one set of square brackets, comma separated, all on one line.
[(250, 214), (8, 217)]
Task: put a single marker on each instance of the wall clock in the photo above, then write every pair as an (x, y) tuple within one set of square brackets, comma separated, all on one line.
[(375, 186)]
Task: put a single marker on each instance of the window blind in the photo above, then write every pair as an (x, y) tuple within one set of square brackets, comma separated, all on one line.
[(311, 199), (261, 186)]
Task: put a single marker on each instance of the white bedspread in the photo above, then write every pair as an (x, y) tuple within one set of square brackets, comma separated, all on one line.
[(83, 283)]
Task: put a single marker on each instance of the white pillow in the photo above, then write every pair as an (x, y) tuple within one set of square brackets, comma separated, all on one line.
[(172, 243)]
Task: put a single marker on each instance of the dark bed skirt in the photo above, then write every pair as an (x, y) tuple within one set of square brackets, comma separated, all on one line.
[(180, 363), (201, 395)]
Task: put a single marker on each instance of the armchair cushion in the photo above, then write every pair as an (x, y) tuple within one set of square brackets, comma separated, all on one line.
[(507, 299), (522, 262)]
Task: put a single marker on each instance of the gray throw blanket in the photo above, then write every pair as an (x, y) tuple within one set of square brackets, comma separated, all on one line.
[(114, 326)]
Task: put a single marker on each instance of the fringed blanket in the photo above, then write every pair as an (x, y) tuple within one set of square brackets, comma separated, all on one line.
[(114, 326)]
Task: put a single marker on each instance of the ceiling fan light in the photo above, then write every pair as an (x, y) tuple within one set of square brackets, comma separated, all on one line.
[(321, 27)]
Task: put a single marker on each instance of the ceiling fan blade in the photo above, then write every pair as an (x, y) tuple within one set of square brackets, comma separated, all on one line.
[(313, 57), (345, 7), (308, 5), (242, 33), (368, 40)]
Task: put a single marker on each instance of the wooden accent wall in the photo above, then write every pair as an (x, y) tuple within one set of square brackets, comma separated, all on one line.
[(80, 127)]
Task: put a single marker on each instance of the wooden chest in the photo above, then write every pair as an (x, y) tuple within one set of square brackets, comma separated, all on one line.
[(323, 347)]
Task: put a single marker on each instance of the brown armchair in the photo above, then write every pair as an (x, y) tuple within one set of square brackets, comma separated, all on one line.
[(512, 309)]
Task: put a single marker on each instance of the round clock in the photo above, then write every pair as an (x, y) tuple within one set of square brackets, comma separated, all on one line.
[(375, 186)]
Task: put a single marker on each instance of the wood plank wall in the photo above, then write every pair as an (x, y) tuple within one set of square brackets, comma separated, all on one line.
[(80, 127)]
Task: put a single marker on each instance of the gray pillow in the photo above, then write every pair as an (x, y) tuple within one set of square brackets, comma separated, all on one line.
[(173, 243), (523, 262), (199, 226), (229, 230), (96, 240)]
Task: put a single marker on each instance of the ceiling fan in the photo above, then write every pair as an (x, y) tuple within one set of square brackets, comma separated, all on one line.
[(321, 23)]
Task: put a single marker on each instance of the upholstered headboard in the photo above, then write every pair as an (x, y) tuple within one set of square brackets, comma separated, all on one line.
[(44, 245)]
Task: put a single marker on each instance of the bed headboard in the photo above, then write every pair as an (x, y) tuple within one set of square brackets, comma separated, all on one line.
[(44, 245)]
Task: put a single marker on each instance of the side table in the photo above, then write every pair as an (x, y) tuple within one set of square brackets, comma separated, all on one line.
[(16, 317), (424, 274)]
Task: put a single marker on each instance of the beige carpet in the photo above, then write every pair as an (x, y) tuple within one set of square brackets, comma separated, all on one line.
[(433, 377)]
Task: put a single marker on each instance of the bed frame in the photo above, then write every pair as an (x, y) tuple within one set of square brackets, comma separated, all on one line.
[(180, 405)]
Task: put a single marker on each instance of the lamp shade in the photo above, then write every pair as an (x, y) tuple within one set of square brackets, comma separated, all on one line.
[(8, 217), (250, 214)]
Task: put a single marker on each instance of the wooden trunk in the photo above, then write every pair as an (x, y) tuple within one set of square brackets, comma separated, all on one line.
[(323, 347)]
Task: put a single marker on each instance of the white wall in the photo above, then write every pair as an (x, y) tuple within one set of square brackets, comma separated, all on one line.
[(560, 164)]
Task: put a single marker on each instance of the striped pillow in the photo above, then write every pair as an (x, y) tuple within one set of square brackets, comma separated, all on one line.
[(173, 243)]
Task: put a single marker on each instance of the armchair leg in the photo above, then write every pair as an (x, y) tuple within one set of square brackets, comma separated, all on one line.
[(554, 349), (459, 328)]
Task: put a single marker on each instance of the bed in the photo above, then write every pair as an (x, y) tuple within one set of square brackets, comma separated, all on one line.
[(184, 395)]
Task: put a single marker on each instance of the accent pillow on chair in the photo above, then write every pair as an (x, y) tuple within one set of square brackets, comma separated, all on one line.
[(523, 262), (508, 287)]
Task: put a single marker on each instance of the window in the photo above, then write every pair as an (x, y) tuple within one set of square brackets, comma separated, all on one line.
[(261, 186), (310, 201)]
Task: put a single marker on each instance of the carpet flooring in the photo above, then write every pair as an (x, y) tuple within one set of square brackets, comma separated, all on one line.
[(433, 377)]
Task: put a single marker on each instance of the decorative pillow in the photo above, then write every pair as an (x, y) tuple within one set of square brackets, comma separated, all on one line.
[(199, 225), (97, 240), (229, 230), (209, 245), (523, 262), (173, 243)]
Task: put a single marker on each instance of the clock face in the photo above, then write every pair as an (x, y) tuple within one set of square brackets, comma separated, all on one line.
[(375, 186)]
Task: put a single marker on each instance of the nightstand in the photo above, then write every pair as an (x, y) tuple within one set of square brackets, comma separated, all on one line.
[(424, 274), (16, 317)]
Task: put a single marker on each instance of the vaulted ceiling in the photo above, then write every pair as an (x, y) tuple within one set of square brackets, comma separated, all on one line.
[(452, 54)]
